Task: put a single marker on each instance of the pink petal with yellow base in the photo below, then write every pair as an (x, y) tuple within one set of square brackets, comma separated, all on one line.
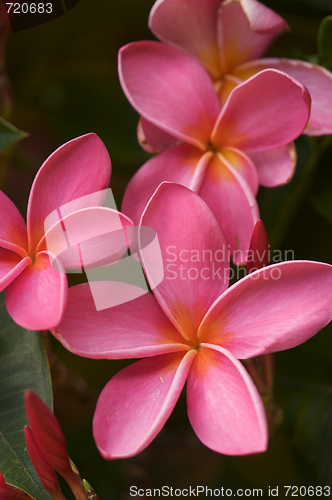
[(265, 112), (37, 298), (135, 404), (234, 205), (223, 404), (154, 333), (316, 79), (11, 265), (184, 164), (272, 309), (13, 233), (78, 168), (189, 25), (158, 79), (245, 29), (245, 166), (183, 245)]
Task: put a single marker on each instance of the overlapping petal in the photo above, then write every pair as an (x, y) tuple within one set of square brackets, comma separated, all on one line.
[(47, 433), (76, 169), (245, 29), (152, 138), (224, 406), (109, 333), (317, 79), (13, 234), (137, 401), (37, 297), (189, 25), (275, 167), (184, 164), (243, 164), (232, 203), (42, 466), (11, 265), (190, 256), (240, 31), (267, 111), (275, 308), (169, 89)]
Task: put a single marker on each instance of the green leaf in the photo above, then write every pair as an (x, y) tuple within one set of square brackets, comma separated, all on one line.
[(9, 134), (23, 365), (324, 42)]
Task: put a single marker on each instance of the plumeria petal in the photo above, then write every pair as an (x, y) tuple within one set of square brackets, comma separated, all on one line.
[(245, 29), (190, 256), (137, 401), (13, 234), (267, 111), (42, 466), (11, 265), (47, 432), (317, 79), (275, 167), (259, 248), (189, 25), (244, 165), (109, 333), (50, 440), (169, 89), (182, 164), (224, 406), (275, 308), (37, 297), (76, 169), (232, 203), (152, 138)]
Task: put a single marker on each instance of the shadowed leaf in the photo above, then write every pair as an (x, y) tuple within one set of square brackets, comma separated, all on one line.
[(9, 134), (23, 365), (325, 43)]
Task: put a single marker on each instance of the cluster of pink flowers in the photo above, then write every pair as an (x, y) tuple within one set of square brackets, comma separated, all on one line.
[(222, 122)]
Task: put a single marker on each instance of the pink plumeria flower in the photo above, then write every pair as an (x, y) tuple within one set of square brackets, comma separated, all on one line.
[(224, 152), (228, 37), (193, 329), (73, 177)]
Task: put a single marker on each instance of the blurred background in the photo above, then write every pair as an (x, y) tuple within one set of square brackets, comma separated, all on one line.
[(64, 84)]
